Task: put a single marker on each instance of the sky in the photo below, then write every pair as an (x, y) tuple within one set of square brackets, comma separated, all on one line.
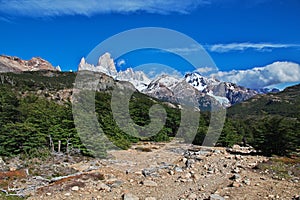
[(239, 35)]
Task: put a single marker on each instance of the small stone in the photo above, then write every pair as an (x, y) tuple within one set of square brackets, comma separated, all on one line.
[(116, 184), (192, 196), (199, 157), (48, 194), (215, 197), (217, 151), (183, 180), (68, 194), (238, 157), (102, 186), (189, 163), (235, 177), (235, 184), (296, 197), (149, 183), (247, 182), (196, 176), (130, 196), (236, 170), (150, 198), (171, 172), (184, 160), (178, 169), (186, 176), (75, 188), (2, 162), (13, 168)]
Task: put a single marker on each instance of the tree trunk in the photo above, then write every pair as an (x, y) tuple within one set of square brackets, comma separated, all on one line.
[(59, 145)]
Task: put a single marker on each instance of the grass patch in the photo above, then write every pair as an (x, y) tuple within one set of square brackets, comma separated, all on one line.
[(282, 167)]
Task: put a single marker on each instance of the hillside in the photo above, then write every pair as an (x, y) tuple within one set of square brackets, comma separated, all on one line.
[(36, 113), (270, 122), (15, 64), (285, 103)]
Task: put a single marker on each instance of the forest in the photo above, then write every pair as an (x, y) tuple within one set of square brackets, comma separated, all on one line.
[(34, 125)]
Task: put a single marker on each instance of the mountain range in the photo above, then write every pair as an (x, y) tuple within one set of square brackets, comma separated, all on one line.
[(206, 91)]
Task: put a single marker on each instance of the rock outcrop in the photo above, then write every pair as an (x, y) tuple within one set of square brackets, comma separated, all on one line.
[(15, 64), (107, 66)]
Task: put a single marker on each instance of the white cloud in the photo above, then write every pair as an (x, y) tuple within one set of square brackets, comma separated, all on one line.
[(222, 48), (275, 73), (121, 62), (205, 70), (185, 50), (48, 8)]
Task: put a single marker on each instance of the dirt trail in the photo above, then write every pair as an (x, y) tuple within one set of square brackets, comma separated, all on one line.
[(170, 171)]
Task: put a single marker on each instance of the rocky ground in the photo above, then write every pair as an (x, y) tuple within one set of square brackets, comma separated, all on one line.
[(157, 171)]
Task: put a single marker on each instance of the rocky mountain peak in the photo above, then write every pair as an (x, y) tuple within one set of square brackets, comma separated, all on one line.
[(106, 62), (107, 66), (15, 64), (200, 82)]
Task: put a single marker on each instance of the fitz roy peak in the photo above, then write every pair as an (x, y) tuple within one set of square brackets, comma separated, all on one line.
[(206, 91), (107, 66)]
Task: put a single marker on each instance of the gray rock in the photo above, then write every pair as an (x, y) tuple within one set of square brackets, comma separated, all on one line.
[(149, 183), (215, 197), (235, 177), (149, 172), (189, 163), (217, 151), (2, 162), (247, 182), (129, 196), (102, 186), (116, 184), (178, 169)]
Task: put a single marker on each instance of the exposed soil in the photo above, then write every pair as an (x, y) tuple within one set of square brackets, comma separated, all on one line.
[(169, 171)]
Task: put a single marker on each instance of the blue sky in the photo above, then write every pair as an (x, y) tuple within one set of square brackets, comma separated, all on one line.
[(238, 34)]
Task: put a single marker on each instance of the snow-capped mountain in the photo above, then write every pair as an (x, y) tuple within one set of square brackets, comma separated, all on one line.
[(225, 93), (200, 82), (193, 88), (107, 66)]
